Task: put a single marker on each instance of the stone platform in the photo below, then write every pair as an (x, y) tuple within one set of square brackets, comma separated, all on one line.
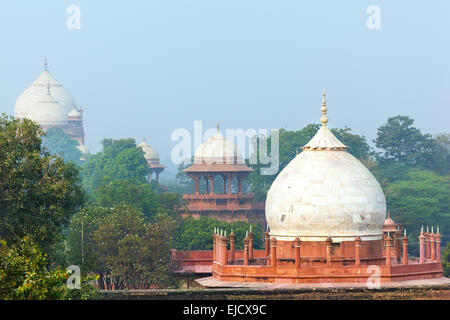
[(211, 282)]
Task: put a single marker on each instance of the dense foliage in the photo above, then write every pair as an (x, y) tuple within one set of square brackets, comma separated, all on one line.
[(119, 159), (39, 192), (62, 144), (123, 247), (24, 274)]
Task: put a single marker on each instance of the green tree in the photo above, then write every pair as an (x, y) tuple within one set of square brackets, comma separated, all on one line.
[(24, 275), (141, 196), (121, 245), (446, 261), (62, 144), (120, 159), (38, 192), (421, 198), (399, 140)]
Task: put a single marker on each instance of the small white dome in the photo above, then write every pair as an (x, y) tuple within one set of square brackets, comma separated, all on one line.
[(149, 152), (83, 149), (325, 191), (74, 113), (29, 98), (217, 150)]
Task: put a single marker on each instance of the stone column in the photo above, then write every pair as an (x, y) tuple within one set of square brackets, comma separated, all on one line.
[(328, 243), (357, 253), (250, 245), (422, 247), (405, 249), (432, 245), (246, 241), (232, 248), (214, 238), (212, 184), (230, 177), (223, 254), (388, 249), (267, 243), (239, 184), (428, 247), (297, 244), (273, 252), (197, 186), (438, 245)]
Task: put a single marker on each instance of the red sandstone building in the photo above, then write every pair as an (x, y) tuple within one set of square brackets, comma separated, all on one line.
[(218, 159), (326, 214)]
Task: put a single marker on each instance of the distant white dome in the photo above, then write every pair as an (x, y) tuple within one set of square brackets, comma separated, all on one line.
[(83, 149), (29, 99), (325, 191), (47, 111), (218, 150), (74, 113), (149, 152)]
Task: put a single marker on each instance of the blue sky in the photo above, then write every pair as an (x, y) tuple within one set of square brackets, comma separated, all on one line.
[(145, 68)]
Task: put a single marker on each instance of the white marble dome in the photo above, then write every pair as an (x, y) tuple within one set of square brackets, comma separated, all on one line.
[(47, 111), (219, 150), (149, 152), (325, 191), (27, 102)]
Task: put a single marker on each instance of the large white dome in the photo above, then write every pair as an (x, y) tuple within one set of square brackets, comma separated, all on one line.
[(28, 101), (218, 150), (325, 191)]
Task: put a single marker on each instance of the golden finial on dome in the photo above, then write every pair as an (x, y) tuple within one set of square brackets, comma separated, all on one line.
[(324, 118)]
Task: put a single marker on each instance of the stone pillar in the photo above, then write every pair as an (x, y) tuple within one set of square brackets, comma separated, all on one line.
[(438, 246), (250, 245), (328, 243), (273, 252), (428, 247), (230, 177), (197, 186), (267, 243), (422, 247), (214, 238), (388, 249), (232, 248), (212, 184), (357, 253), (223, 254), (297, 244), (239, 184), (432, 245), (246, 241), (405, 249)]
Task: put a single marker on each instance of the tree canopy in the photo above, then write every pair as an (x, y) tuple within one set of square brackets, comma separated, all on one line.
[(62, 144), (119, 159), (39, 192)]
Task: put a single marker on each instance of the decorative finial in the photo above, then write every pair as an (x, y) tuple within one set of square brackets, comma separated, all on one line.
[(45, 63), (218, 126), (389, 213), (324, 118)]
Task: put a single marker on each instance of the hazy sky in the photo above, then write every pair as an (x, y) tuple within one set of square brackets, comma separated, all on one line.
[(145, 68)]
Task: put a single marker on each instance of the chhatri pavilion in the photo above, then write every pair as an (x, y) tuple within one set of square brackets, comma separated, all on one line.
[(327, 219)]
